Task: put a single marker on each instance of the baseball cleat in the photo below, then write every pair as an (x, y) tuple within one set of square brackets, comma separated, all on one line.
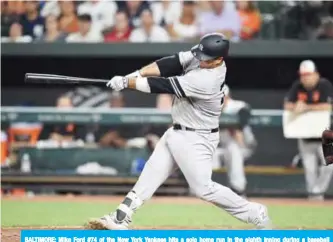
[(258, 216), (264, 222), (108, 222)]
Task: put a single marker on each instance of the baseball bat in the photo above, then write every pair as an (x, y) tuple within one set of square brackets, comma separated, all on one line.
[(62, 80)]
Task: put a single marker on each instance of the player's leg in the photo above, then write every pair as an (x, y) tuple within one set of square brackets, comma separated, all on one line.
[(157, 169), (325, 173), (234, 162), (308, 154), (218, 158), (193, 154)]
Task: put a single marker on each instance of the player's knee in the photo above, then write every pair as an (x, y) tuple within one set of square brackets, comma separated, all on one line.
[(204, 192)]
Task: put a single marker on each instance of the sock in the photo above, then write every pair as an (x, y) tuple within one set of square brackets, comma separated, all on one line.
[(130, 204)]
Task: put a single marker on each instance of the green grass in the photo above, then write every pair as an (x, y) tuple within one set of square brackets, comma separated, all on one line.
[(35, 213)]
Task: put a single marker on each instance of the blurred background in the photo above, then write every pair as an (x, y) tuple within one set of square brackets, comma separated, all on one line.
[(89, 140)]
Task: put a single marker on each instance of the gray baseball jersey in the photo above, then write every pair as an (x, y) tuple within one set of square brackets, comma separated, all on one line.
[(201, 108)]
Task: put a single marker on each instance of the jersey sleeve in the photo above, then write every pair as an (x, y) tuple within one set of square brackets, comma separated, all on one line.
[(185, 58), (200, 84), (292, 93), (175, 64), (195, 84), (326, 92)]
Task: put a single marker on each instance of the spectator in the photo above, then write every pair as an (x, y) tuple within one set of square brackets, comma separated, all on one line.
[(50, 7), (250, 18), (203, 6), (326, 32), (7, 18), (86, 33), (134, 10), (165, 11), (15, 35), (305, 19), (15, 7), (314, 13), (52, 31), (102, 13), (223, 18), (68, 20), (149, 32), (185, 28), (63, 132), (31, 21), (121, 30)]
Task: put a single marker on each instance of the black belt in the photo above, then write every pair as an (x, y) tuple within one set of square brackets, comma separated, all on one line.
[(180, 127)]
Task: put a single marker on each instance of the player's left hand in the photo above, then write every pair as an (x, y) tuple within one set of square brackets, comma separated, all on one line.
[(118, 83)]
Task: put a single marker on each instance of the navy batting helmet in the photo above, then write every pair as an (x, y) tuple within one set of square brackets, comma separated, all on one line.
[(211, 46)]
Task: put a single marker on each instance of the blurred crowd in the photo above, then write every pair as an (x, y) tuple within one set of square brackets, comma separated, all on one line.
[(162, 21)]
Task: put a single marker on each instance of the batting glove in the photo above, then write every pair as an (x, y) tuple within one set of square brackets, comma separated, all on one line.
[(118, 83)]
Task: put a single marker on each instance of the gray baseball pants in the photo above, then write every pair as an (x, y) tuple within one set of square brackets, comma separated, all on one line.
[(192, 153)]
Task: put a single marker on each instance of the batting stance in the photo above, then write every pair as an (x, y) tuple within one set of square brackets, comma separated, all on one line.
[(236, 143), (196, 79)]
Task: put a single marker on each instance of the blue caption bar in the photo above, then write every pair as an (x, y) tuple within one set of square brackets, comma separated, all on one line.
[(177, 236)]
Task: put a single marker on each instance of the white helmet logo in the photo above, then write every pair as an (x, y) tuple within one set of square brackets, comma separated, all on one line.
[(200, 47)]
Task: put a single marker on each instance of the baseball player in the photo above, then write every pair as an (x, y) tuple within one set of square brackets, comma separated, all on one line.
[(196, 79), (236, 143)]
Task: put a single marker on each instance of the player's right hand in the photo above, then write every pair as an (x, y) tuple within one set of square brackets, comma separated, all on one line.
[(118, 83)]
